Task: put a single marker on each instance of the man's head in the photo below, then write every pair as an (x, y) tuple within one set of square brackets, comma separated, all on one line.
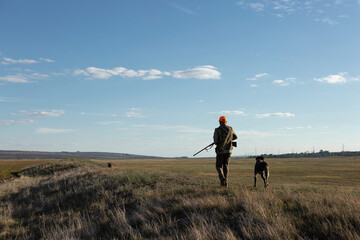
[(222, 119)]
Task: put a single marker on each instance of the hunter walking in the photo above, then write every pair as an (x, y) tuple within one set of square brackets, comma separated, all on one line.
[(223, 137)]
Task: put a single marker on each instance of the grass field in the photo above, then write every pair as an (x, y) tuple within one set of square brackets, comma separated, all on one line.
[(182, 199), (334, 172), (9, 166)]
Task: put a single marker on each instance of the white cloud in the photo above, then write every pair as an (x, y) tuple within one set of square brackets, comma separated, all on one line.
[(232, 112), (257, 76), (258, 7), (110, 122), (5, 99), (11, 122), (47, 60), (326, 20), (201, 72), (261, 75), (14, 61), (7, 61), (53, 130), (280, 82), (23, 78), (310, 8), (339, 78), (38, 75), (255, 134), (99, 73), (254, 85), (285, 82), (134, 113), (266, 115), (176, 128), (338, 2), (53, 113), (15, 79), (185, 10), (181, 128), (295, 128), (355, 78)]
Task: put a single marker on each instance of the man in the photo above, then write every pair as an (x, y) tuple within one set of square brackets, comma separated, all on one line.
[(223, 137)]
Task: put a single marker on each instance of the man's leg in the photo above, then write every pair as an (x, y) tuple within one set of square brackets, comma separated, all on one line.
[(226, 161), (219, 164)]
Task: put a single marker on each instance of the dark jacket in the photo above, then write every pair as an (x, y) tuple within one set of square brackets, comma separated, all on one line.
[(223, 137)]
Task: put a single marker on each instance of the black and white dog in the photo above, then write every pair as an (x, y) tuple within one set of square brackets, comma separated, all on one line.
[(262, 168)]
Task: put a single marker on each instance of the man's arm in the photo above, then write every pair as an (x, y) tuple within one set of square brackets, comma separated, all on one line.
[(216, 137), (234, 135)]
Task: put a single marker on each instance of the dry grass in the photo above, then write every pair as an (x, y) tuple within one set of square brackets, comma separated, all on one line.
[(9, 166), (145, 200)]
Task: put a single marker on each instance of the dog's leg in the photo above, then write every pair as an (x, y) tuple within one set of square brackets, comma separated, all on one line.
[(255, 180), (267, 174), (264, 179)]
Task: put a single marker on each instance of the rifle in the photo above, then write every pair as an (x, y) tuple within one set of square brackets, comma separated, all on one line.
[(205, 148), (234, 144)]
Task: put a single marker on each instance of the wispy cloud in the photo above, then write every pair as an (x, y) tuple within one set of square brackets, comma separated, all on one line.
[(14, 61), (230, 112), (267, 115), (339, 78), (258, 7), (15, 79), (201, 72), (23, 78), (7, 61), (99, 114), (326, 20), (295, 128), (53, 113), (285, 82), (181, 128), (255, 134), (176, 128), (46, 60), (134, 113), (11, 122), (183, 9), (110, 122), (6, 99), (257, 76), (53, 130), (316, 9)]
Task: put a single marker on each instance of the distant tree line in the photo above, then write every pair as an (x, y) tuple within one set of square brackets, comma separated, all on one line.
[(320, 154)]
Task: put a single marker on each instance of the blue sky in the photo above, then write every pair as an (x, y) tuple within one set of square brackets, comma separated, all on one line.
[(153, 77)]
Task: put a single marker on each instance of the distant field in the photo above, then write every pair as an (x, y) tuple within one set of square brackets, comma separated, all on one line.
[(7, 166), (336, 172)]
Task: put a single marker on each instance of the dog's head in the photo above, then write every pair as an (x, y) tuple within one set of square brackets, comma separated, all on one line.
[(260, 159)]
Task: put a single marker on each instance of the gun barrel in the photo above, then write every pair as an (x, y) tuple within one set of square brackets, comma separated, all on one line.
[(205, 148)]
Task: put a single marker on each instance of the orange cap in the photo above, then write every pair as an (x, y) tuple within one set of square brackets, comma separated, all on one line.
[(222, 119)]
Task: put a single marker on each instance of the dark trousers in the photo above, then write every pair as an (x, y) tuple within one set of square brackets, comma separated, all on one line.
[(222, 166)]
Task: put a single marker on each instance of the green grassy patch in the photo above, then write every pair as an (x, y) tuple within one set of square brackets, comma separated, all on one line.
[(7, 167)]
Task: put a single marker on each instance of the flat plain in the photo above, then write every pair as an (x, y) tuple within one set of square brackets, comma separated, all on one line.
[(317, 198), (331, 172)]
